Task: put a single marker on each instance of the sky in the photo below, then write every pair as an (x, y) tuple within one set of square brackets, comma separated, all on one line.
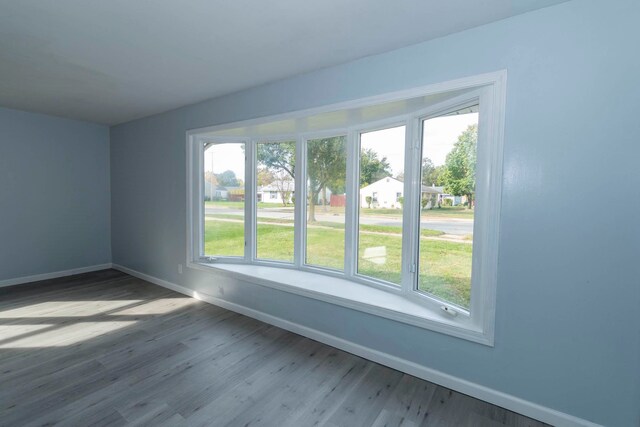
[(439, 135), (223, 157)]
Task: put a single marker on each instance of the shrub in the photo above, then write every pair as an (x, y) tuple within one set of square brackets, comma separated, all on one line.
[(369, 199)]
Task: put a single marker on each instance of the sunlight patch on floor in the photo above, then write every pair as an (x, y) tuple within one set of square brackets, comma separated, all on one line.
[(64, 336), (61, 308), (9, 332), (159, 306)]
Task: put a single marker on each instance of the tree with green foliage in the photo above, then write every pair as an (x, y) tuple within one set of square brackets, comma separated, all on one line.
[(459, 177), (228, 179), (431, 175), (372, 168), (276, 162), (264, 177), (326, 168), (277, 157)]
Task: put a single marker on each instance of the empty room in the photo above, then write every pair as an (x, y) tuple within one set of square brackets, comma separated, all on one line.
[(320, 213)]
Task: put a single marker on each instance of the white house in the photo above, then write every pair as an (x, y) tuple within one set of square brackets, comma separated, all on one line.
[(442, 196), (384, 193), (431, 196), (272, 193)]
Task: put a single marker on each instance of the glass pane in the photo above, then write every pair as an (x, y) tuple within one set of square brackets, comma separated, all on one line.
[(275, 186), (224, 199), (447, 209), (326, 185), (381, 198)]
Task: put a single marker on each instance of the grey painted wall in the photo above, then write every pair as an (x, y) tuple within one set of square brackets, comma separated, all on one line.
[(567, 332), (54, 194)]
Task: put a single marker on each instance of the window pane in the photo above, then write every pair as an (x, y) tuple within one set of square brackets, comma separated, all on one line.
[(380, 211), (448, 202), (326, 184), (224, 199), (275, 204)]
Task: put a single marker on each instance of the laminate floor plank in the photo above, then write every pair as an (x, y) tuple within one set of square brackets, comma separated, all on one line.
[(366, 401), (242, 403), (108, 349), (318, 382), (410, 400), (328, 398)]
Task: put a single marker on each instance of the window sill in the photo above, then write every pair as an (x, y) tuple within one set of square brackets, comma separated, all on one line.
[(353, 295)]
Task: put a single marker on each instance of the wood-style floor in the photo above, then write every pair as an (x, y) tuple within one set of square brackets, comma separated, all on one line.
[(105, 348)]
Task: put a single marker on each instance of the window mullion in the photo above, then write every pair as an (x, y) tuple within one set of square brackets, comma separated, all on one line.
[(299, 228), (250, 201), (351, 210), (411, 209), (199, 209)]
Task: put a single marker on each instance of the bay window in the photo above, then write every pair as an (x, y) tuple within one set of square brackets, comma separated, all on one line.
[(388, 205)]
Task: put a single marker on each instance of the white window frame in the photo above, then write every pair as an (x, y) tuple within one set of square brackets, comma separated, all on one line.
[(405, 303)]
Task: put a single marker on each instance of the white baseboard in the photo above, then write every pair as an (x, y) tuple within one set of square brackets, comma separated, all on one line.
[(54, 275), (515, 404)]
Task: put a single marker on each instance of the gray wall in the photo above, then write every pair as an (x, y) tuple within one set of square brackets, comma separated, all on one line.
[(54, 194), (567, 332)]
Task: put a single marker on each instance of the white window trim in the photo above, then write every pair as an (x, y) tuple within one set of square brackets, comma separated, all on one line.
[(404, 303)]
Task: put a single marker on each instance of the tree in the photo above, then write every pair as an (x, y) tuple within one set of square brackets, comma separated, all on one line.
[(276, 162), (372, 168), (431, 175), (278, 157), (368, 199), (285, 185), (264, 177), (459, 176), (212, 179), (326, 168), (228, 179)]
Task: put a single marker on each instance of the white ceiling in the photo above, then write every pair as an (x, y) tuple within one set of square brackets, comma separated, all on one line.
[(117, 60)]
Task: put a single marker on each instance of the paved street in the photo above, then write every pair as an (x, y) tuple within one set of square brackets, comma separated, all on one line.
[(457, 226)]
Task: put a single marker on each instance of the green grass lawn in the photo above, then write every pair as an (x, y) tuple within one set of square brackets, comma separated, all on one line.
[(364, 227), (445, 267)]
